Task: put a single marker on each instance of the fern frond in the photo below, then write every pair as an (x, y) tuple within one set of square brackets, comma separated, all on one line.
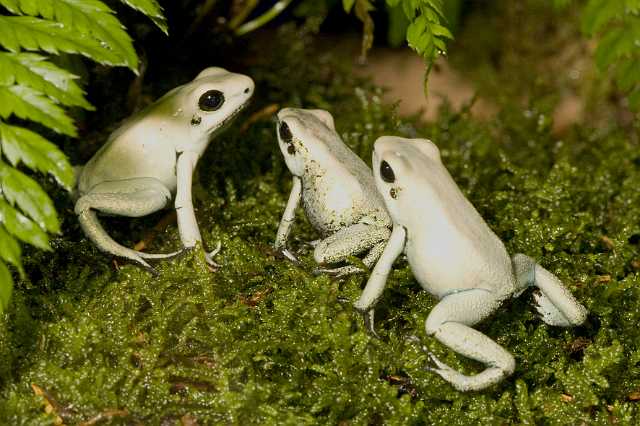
[(6, 286), (91, 19), (22, 227), (29, 104), (10, 250), (151, 9), (29, 33), (23, 192), (21, 145), (34, 71)]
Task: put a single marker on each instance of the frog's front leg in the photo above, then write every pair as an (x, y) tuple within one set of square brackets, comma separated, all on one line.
[(450, 322), (187, 224), (351, 241), (288, 217), (378, 279), (128, 197)]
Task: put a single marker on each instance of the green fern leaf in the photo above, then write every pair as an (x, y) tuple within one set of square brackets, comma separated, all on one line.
[(29, 33), (22, 227), (89, 18), (152, 9), (10, 250), (30, 104), (6, 286), (32, 70), (598, 13), (22, 145), (22, 191)]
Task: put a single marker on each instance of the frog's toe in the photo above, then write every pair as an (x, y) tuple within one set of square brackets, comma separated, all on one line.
[(210, 255), (286, 253), (338, 272), (144, 255), (436, 366)]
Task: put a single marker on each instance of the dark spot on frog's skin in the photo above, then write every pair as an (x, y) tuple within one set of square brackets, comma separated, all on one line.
[(394, 193), (291, 150), (196, 120)]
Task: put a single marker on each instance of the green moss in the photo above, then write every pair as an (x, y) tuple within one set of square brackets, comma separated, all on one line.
[(264, 341)]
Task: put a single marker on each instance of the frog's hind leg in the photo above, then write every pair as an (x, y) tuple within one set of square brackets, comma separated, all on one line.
[(132, 198), (450, 322), (351, 241), (553, 301)]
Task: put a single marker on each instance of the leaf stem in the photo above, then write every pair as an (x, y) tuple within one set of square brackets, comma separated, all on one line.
[(262, 19)]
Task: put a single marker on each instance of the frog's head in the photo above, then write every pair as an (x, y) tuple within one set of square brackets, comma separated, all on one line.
[(210, 101), (303, 135), (398, 167)]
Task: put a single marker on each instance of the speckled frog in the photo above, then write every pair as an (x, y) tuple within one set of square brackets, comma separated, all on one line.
[(456, 257), (151, 157), (336, 188)]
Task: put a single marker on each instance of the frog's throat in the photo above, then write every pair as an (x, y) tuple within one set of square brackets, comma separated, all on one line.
[(224, 123)]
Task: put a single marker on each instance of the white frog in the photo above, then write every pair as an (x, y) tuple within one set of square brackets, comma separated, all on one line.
[(151, 157), (455, 256), (336, 188)]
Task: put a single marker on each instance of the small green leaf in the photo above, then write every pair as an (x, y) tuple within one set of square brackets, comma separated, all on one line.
[(23, 145), (6, 287), (440, 31), (29, 104), (19, 189), (10, 250), (151, 9), (30, 69), (22, 227)]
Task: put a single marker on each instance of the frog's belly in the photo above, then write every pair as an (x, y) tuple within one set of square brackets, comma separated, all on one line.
[(129, 162), (332, 209), (447, 265)]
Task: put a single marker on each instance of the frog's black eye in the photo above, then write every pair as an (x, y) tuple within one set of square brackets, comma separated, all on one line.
[(211, 100), (285, 133), (387, 172)]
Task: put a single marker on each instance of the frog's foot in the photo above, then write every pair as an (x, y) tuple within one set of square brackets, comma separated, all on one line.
[(553, 301), (208, 257), (92, 228), (349, 241)]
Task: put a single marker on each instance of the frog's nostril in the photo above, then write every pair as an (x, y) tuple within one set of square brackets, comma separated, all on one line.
[(247, 90)]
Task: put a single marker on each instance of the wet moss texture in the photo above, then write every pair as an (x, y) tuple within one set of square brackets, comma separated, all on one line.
[(264, 341)]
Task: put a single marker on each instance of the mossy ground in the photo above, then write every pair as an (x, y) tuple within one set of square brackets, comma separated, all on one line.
[(265, 341)]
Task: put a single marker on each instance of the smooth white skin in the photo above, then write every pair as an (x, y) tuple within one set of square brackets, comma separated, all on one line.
[(150, 159), (336, 189), (456, 257)]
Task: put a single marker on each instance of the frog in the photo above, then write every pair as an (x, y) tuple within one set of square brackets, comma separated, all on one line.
[(337, 192), (455, 256), (149, 160)]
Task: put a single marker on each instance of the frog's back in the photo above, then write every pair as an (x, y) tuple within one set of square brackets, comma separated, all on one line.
[(339, 174), (132, 151), (453, 248)]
